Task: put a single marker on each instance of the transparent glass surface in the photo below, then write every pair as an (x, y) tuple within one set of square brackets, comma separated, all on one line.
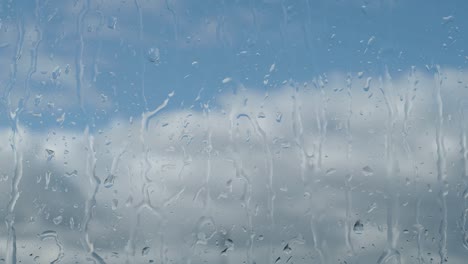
[(233, 131)]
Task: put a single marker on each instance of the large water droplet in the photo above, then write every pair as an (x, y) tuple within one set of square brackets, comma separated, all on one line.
[(50, 154), (358, 227), (145, 251)]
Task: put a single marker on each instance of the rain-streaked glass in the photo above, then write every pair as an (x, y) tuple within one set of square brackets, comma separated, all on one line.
[(233, 131)]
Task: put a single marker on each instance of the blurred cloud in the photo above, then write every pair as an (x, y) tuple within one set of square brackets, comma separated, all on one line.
[(195, 186)]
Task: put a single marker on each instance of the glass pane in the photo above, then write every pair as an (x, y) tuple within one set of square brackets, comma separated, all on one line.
[(259, 131)]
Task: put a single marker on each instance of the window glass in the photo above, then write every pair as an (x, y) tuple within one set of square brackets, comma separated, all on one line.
[(233, 131)]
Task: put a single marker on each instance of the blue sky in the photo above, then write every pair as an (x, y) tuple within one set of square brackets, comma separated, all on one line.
[(202, 43)]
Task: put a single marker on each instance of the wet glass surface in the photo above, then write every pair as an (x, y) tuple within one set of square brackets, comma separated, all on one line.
[(261, 131)]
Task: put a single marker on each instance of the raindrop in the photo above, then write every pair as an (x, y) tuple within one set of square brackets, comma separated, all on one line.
[(153, 55), (465, 194), (330, 171), (56, 73), (115, 203), (279, 116), (109, 181), (57, 220), (145, 251), (447, 19), (367, 171), (61, 119), (112, 22), (277, 260), (48, 174), (227, 80), (368, 83), (224, 251), (38, 100), (272, 67), (229, 243), (358, 227), (287, 249), (50, 154)]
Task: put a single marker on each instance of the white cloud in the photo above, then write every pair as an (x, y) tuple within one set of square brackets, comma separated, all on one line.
[(187, 155)]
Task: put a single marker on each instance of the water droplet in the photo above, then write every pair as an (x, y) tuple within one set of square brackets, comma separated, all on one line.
[(145, 251), (112, 22), (330, 171), (71, 174), (72, 223), (229, 243), (50, 154), (109, 181), (277, 260), (367, 171), (227, 79), (153, 55), (224, 252), (287, 249), (279, 116), (358, 227), (56, 73), (57, 220), (37, 100), (67, 68), (447, 19), (465, 194), (368, 83), (272, 67), (129, 201), (115, 203)]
